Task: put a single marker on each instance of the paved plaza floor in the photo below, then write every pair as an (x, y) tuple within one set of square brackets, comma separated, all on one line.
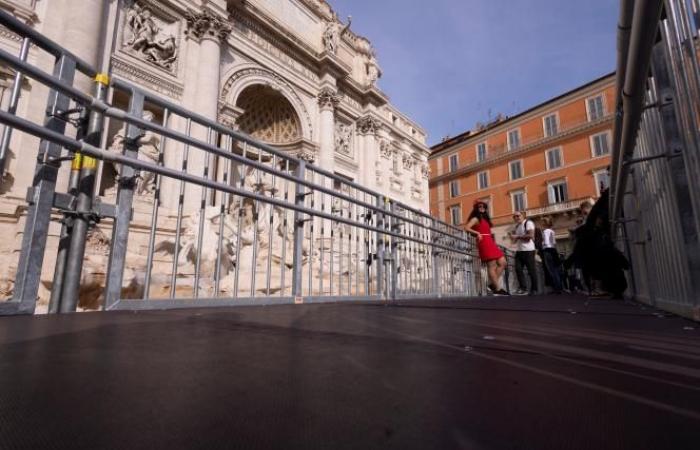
[(495, 373)]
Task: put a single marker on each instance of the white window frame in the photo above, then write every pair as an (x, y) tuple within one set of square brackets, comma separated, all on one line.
[(456, 184), (520, 139), (608, 137), (486, 151), (510, 169), (512, 200), (556, 124), (561, 158), (588, 109), (456, 160), (478, 180), (597, 173), (550, 190), (457, 208)]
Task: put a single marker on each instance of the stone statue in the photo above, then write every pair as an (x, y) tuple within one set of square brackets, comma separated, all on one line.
[(143, 28), (374, 72), (149, 145), (162, 52), (333, 32), (343, 139)]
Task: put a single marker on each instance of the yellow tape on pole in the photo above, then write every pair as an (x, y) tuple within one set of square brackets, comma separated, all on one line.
[(89, 163), (77, 162), (102, 78)]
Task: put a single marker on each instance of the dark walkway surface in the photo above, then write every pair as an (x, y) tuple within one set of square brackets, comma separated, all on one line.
[(522, 373)]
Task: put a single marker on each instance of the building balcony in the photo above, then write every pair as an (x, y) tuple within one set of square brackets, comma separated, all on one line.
[(559, 208), (497, 153)]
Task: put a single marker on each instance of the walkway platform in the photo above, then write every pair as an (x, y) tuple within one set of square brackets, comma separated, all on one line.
[(497, 373)]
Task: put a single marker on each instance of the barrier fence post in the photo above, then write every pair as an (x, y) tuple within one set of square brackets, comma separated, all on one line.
[(81, 221), (299, 198), (41, 194), (379, 242), (125, 197)]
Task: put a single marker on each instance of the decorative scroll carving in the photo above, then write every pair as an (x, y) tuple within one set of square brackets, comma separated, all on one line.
[(328, 98), (368, 125), (425, 170), (343, 139), (148, 38), (385, 149), (207, 24), (407, 161)]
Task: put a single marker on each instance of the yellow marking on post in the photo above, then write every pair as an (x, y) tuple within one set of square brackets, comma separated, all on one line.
[(102, 78), (77, 161), (89, 163)]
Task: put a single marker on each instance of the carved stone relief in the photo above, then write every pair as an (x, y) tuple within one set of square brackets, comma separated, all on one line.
[(328, 98), (407, 161), (385, 149), (343, 139), (368, 125), (149, 37)]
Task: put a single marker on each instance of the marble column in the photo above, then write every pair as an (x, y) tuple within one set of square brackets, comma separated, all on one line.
[(369, 127), (205, 31), (327, 101)]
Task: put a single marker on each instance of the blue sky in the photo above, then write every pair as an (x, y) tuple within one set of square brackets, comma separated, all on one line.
[(449, 63)]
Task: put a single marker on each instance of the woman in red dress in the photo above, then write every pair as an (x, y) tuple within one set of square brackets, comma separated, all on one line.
[(479, 224)]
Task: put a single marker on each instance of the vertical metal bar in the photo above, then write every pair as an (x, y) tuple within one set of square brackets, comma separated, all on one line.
[(283, 266), (241, 205), (66, 227), (39, 211), (125, 197), (12, 108), (223, 213), (394, 225), (271, 236), (322, 245), (180, 205), (256, 217), (81, 222), (299, 198), (202, 218), (379, 245), (311, 235), (154, 213)]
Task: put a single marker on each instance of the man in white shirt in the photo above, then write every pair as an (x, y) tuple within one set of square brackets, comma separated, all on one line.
[(523, 236)]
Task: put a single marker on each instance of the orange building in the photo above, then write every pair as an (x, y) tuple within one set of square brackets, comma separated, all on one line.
[(546, 161)]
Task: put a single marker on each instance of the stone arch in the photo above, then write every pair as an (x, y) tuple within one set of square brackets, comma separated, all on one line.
[(246, 77), (268, 115)]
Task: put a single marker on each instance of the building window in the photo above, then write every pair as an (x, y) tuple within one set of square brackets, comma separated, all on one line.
[(483, 179), (456, 214), (554, 159), (551, 125), (518, 200), (602, 180), (481, 151), (558, 193), (599, 144), (454, 163), (513, 139), (595, 108), (454, 188), (516, 169)]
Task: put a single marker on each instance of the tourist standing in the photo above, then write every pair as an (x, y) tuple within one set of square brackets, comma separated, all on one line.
[(523, 236), (550, 256), (479, 224)]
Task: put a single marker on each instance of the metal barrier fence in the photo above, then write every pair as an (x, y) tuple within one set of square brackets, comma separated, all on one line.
[(182, 211), (655, 190)]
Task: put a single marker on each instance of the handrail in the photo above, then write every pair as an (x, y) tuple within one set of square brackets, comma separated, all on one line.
[(38, 39), (645, 23)]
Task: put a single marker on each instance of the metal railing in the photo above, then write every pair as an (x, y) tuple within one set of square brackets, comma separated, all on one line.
[(204, 215), (655, 187)]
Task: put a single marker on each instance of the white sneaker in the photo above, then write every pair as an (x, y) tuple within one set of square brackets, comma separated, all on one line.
[(520, 292)]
